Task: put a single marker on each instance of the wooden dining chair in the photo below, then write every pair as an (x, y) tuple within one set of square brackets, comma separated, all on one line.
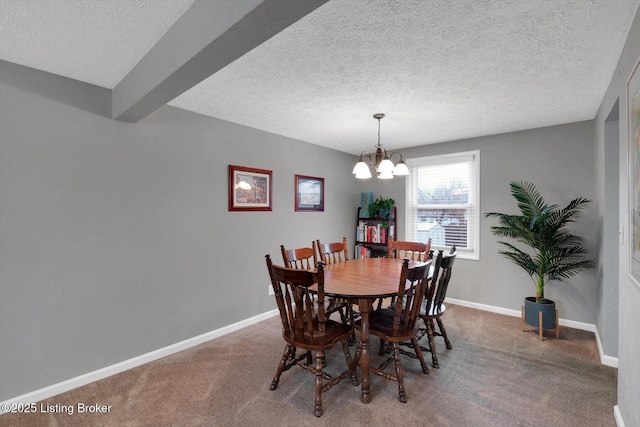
[(398, 324), (433, 306), (415, 251), (335, 253), (301, 258), (305, 326)]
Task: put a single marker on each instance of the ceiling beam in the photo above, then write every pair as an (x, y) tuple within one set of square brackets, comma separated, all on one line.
[(209, 36)]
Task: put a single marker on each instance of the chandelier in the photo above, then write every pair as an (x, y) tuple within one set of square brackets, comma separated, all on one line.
[(384, 167)]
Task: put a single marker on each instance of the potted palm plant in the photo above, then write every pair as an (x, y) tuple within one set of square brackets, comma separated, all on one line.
[(552, 253)]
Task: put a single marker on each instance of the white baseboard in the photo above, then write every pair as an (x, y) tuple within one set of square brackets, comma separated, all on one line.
[(604, 359), (484, 307), (618, 416), (53, 390)]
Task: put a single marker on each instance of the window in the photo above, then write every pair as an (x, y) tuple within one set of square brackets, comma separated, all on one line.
[(442, 202)]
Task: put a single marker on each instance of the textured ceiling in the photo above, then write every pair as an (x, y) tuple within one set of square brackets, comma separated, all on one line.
[(440, 70), (95, 41)]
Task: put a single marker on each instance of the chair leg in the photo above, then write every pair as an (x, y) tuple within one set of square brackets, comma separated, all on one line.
[(356, 357), (381, 350), (283, 362), (420, 356), (351, 339), (317, 409), (350, 363), (432, 343), (443, 332), (402, 394)]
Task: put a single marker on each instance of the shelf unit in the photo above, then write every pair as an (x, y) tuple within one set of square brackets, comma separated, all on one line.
[(372, 235)]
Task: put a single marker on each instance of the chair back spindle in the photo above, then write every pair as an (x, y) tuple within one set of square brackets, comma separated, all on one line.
[(414, 251), (333, 253), (301, 258)]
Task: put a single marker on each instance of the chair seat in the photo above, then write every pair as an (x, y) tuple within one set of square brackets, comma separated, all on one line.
[(433, 312), (334, 333), (381, 324)]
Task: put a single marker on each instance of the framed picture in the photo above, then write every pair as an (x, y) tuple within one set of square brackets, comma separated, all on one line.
[(633, 107), (309, 194), (249, 189)]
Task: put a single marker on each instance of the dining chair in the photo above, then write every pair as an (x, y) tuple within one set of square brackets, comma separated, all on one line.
[(305, 326), (335, 253), (398, 324), (415, 251), (301, 258), (433, 306)]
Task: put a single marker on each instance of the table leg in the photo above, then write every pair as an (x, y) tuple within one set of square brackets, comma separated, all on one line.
[(365, 309)]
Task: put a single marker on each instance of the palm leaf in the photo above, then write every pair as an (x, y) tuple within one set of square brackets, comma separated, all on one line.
[(530, 202), (519, 257)]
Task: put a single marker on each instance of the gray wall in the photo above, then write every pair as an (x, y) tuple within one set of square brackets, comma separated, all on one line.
[(607, 199), (116, 237), (559, 161), (629, 295)]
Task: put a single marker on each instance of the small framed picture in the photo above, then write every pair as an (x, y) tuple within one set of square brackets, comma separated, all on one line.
[(249, 189), (309, 194)]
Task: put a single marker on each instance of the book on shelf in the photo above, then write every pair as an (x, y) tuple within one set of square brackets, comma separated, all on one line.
[(372, 233), (362, 252)]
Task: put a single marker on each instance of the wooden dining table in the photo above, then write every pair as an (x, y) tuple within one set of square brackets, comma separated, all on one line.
[(362, 281)]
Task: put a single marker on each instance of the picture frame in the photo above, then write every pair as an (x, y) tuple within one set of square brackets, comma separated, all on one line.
[(633, 111), (309, 194), (250, 189)]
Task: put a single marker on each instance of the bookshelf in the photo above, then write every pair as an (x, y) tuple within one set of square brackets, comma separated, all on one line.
[(372, 234)]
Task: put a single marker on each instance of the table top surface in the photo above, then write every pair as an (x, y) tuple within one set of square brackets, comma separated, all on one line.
[(363, 278)]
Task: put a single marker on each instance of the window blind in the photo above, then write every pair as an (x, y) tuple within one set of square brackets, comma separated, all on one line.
[(442, 202)]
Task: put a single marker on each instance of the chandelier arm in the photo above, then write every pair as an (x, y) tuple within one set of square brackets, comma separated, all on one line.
[(367, 155), (398, 153)]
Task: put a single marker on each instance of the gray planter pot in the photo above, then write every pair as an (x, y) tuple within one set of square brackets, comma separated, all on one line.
[(532, 308)]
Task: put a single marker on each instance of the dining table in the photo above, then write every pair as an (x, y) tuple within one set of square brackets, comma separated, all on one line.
[(362, 281)]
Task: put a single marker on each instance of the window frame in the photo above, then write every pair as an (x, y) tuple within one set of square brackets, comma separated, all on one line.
[(474, 253)]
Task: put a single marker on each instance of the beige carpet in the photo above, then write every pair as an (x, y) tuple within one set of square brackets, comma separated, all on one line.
[(495, 375)]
